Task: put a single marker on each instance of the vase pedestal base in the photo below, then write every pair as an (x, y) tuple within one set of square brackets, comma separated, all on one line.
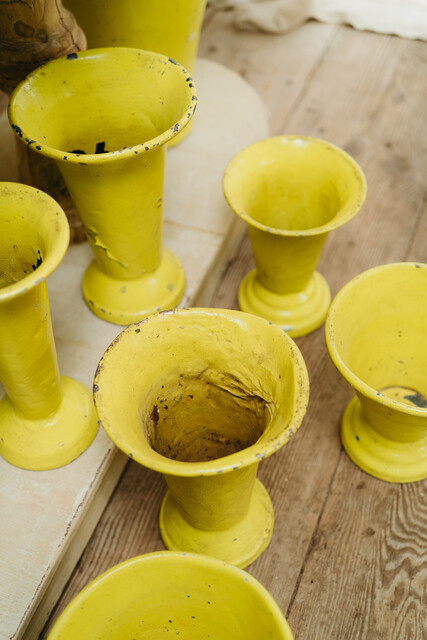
[(239, 545), (126, 301), (385, 459), (52, 442), (297, 313)]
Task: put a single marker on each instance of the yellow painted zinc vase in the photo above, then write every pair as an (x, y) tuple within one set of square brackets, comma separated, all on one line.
[(169, 594), (376, 334), (203, 396), (291, 191), (105, 116), (46, 420)]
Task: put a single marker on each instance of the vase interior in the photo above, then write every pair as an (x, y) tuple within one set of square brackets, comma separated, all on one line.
[(32, 229), (294, 184), (378, 328), (101, 101), (198, 416), (21, 252)]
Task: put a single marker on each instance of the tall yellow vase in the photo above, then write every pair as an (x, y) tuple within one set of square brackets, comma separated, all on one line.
[(45, 420), (203, 396), (291, 191), (106, 116), (376, 334), (167, 594)]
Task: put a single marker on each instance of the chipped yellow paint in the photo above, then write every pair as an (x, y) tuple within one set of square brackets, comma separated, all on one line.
[(106, 116), (291, 191), (168, 594), (376, 333), (202, 396), (45, 420)]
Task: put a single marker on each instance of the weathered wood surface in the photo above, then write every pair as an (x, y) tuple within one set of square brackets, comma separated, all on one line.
[(348, 557)]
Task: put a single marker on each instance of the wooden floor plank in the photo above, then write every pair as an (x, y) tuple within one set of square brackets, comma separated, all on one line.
[(418, 249), (278, 67), (366, 572)]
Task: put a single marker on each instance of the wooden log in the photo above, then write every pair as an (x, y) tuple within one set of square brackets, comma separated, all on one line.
[(31, 33)]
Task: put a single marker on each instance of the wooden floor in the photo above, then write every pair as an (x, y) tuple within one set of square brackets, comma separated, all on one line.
[(348, 557)]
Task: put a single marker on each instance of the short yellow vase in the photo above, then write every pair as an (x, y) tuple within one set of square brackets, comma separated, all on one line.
[(45, 420), (106, 116), (376, 334), (168, 594), (291, 191), (202, 396)]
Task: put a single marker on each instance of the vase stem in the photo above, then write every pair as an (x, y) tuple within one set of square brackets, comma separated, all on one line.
[(214, 503), (28, 363)]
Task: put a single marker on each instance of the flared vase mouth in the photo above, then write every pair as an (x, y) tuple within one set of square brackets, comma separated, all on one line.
[(345, 298), (164, 564), (21, 111), (261, 151), (42, 241), (277, 431)]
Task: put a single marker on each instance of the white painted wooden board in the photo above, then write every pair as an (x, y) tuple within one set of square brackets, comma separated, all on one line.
[(46, 518)]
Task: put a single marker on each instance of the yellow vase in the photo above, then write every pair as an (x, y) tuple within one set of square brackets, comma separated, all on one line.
[(105, 116), (169, 27), (376, 334), (202, 396), (168, 594), (45, 420), (291, 191)]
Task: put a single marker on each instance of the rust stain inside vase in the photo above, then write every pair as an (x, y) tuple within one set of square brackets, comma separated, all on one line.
[(196, 419)]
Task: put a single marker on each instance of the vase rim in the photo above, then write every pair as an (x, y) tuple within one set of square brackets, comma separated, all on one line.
[(62, 235), (264, 447), (298, 233), (110, 156), (355, 381)]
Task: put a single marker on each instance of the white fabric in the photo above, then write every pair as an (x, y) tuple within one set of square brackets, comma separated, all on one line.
[(406, 18)]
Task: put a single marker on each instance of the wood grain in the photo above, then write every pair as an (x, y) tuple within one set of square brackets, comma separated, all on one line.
[(280, 68), (366, 568), (348, 557)]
